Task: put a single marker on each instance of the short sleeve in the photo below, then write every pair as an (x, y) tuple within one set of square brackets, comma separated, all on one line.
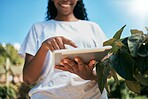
[(100, 36), (29, 44)]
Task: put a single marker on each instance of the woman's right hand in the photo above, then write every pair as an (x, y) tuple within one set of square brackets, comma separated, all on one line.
[(33, 67), (58, 42)]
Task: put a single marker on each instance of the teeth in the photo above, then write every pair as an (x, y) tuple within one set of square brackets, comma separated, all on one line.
[(65, 5)]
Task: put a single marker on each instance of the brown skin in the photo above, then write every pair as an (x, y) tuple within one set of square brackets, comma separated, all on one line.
[(34, 64), (78, 67), (65, 10)]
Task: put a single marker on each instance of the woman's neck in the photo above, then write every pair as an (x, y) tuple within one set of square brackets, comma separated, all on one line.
[(66, 18)]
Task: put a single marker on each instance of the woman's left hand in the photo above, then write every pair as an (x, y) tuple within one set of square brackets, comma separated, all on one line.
[(77, 66)]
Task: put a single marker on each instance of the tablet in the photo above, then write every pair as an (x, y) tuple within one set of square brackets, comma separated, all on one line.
[(85, 54)]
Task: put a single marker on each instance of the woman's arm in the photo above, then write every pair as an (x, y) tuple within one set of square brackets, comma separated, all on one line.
[(34, 64)]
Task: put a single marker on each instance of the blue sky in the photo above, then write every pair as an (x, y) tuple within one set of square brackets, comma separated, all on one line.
[(17, 16)]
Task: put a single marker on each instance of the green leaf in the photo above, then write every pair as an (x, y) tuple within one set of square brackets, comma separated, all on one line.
[(135, 31), (133, 86), (124, 41), (116, 46), (124, 49), (114, 49), (118, 33), (109, 42), (143, 80), (102, 70), (106, 87), (114, 75), (101, 79), (142, 64), (119, 43), (143, 50), (134, 43), (143, 47), (123, 64)]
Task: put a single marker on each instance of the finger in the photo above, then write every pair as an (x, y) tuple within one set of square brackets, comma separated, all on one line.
[(79, 60), (71, 63), (91, 64), (69, 68), (49, 45), (64, 67), (51, 48), (60, 43), (81, 64), (69, 42), (54, 44), (61, 67), (61, 62)]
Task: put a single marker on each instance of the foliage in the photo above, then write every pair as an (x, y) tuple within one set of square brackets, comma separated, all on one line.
[(15, 91), (7, 92), (23, 91), (9, 52), (121, 91), (128, 58), (3, 55)]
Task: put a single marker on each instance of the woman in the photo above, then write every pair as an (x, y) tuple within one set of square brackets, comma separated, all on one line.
[(66, 27)]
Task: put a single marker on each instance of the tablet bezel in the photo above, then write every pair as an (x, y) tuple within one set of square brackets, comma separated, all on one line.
[(85, 54)]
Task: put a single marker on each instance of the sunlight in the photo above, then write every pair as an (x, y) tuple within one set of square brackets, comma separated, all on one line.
[(139, 8)]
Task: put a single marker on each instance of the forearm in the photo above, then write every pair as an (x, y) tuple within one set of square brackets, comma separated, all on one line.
[(32, 69)]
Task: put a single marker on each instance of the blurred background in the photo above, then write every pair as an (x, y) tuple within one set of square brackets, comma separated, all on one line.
[(17, 16)]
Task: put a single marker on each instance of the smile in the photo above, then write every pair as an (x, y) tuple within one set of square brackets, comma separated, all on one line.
[(65, 5)]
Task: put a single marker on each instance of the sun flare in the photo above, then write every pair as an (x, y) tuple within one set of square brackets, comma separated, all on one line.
[(139, 7)]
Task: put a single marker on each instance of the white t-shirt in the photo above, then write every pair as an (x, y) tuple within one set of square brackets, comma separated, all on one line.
[(58, 84)]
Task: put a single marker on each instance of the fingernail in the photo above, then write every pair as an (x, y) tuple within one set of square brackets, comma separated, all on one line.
[(65, 61), (94, 61), (61, 63), (76, 59)]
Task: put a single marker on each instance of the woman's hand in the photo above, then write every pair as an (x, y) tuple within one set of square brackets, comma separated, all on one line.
[(77, 66), (58, 42)]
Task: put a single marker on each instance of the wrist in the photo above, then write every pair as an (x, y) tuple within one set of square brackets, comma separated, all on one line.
[(92, 77), (45, 47)]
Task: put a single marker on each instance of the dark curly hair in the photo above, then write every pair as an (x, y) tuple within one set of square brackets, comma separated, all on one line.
[(79, 10)]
